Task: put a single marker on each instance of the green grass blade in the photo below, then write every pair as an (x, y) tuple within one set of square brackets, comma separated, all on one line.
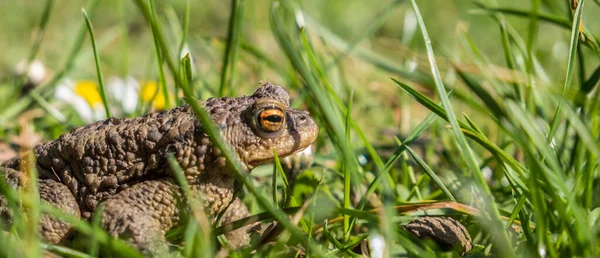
[(424, 100), (274, 181), (37, 42), (551, 18), (570, 67), (197, 209), (347, 175), (590, 83), (54, 112), (587, 139), (488, 100), (234, 32), (330, 237), (39, 37), (64, 251), (155, 27), (508, 55), (124, 38), (94, 245), (159, 57), (101, 87), (185, 29), (288, 198), (431, 174), (530, 52)]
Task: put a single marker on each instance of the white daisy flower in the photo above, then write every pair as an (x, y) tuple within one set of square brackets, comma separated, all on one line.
[(124, 91), (83, 95)]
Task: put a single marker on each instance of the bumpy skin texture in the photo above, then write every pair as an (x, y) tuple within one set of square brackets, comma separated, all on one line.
[(122, 163)]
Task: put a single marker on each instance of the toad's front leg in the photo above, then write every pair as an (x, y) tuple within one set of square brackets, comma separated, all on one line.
[(142, 213)]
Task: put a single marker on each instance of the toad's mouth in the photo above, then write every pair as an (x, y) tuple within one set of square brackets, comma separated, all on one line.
[(266, 160)]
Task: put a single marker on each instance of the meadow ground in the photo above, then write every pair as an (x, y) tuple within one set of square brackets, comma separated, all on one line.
[(484, 111)]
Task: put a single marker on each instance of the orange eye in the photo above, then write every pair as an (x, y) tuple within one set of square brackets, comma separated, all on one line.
[(271, 119), (267, 118)]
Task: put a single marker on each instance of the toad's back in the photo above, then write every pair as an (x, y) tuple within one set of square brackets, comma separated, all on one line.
[(101, 159)]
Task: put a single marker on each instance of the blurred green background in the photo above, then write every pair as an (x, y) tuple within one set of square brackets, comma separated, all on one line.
[(128, 47)]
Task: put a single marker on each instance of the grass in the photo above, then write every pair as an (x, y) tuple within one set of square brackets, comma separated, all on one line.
[(487, 112), (101, 87)]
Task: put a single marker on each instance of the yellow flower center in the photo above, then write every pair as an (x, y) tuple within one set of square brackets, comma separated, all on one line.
[(151, 93), (88, 90)]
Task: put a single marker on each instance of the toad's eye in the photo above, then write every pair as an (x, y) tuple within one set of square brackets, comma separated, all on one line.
[(271, 119), (268, 118)]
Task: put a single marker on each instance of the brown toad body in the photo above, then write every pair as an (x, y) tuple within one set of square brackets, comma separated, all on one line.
[(122, 163)]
